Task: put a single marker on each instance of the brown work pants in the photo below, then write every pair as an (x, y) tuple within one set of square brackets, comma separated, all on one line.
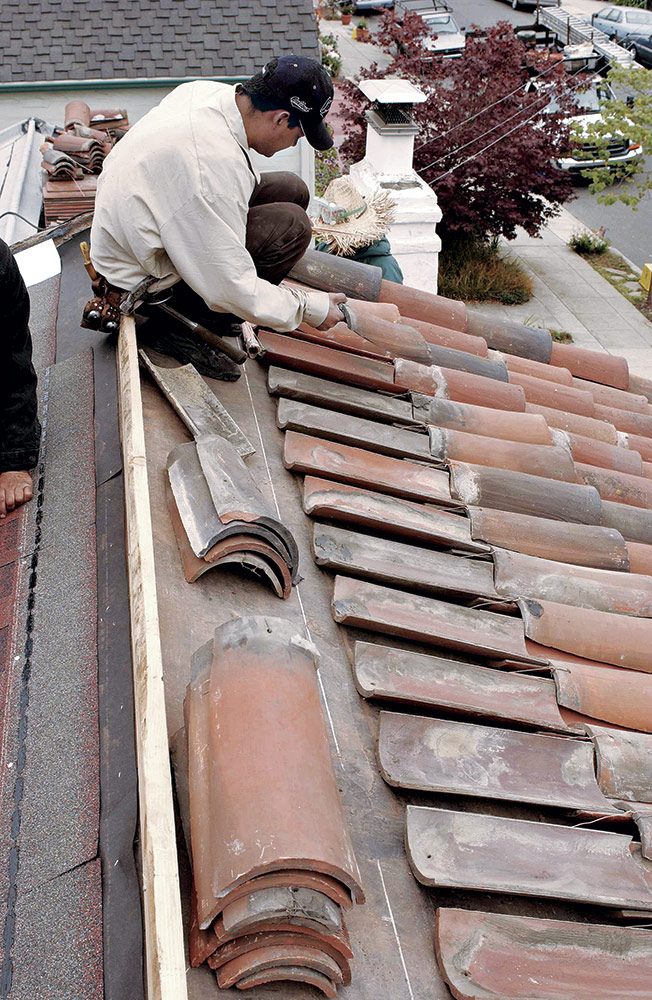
[(278, 234)]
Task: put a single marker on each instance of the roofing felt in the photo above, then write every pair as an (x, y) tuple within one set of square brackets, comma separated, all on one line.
[(116, 39)]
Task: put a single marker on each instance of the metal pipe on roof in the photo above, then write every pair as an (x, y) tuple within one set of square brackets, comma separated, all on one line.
[(125, 83)]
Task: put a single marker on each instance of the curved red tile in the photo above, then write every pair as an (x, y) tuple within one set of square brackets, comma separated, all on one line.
[(640, 557), (625, 420), (413, 303), (575, 423), (483, 956), (445, 337), (535, 368), (289, 973), (643, 445), (624, 762), (605, 456), (467, 388), (231, 950), (318, 360), (633, 523), (577, 544), (295, 878), (619, 487), (608, 396), (548, 461), (339, 337), (553, 395), (273, 956), (396, 339), (608, 369), (408, 375), (641, 386), (509, 425), (511, 337), (596, 635)]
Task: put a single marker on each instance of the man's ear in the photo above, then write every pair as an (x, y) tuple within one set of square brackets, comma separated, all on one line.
[(282, 117)]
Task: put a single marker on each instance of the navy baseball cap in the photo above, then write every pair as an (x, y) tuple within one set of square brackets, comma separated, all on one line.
[(305, 89)]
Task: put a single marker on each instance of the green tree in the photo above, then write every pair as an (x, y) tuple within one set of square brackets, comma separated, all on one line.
[(629, 114)]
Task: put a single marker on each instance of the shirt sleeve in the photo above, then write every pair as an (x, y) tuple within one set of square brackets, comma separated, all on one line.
[(205, 241)]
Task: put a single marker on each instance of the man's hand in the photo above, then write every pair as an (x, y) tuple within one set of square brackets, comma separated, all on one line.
[(15, 489), (334, 315)]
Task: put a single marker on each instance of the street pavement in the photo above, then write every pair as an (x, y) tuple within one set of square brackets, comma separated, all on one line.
[(569, 295)]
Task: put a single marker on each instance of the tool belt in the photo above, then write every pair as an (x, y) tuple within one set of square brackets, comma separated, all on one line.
[(109, 303)]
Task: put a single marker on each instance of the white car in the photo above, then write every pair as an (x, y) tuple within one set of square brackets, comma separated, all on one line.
[(622, 23), (622, 152), (444, 36)]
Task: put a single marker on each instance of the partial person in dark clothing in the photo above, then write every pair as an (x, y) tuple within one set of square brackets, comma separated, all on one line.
[(20, 430), (356, 227)]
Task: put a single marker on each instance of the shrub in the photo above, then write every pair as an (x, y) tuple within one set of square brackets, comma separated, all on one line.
[(590, 241), (330, 57), (473, 270)]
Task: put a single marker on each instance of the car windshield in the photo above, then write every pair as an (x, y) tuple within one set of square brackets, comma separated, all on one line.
[(442, 24), (588, 100), (639, 16)]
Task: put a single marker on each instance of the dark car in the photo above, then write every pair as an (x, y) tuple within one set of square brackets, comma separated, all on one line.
[(532, 4), (623, 23), (641, 48)]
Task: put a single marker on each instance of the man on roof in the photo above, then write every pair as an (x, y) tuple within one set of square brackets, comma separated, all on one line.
[(182, 214)]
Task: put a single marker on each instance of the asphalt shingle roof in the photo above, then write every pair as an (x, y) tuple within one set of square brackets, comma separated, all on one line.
[(107, 39)]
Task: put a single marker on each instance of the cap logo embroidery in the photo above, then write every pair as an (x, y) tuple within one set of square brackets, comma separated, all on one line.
[(323, 111), (296, 102)]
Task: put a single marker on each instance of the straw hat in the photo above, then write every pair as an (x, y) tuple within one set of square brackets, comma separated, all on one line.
[(365, 219)]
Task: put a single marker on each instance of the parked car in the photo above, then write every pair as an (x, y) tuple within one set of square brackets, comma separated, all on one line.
[(444, 37), (584, 155), (623, 23), (369, 6), (532, 4), (641, 48)]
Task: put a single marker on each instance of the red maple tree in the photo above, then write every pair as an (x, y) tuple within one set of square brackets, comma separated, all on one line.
[(487, 146)]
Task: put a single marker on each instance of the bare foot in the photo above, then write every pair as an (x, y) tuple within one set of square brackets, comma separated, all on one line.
[(15, 489)]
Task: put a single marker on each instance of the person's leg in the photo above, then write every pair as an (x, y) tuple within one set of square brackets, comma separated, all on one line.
[(20, 430), (278, 228)]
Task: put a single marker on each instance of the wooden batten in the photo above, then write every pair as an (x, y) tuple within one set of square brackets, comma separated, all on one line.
[(164, 953)]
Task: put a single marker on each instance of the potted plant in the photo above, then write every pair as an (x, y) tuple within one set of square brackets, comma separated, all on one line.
[(347, 9), (362, 31)]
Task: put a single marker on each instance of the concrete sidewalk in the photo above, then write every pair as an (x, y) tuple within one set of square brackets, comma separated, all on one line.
[(570, 295)]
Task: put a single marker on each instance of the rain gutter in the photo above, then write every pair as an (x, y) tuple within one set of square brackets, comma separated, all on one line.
[(125, 83)]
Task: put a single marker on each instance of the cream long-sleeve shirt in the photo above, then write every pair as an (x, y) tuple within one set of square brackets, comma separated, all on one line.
[(172, 202)]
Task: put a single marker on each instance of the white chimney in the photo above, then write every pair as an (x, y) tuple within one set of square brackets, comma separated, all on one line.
[(388, 164)]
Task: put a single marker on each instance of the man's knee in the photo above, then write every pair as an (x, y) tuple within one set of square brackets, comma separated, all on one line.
[(280, 186)]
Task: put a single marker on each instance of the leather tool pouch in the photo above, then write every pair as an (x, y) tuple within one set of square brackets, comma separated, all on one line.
[(103, 311)]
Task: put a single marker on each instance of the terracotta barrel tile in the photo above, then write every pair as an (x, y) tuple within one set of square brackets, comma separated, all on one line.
[(643, 445), (445, 337), (458, 758), (518, 575), (201, 944), (296, 879), (324, 361), (574, 423), (617, 639), (427, 379), (578, 544), (508, 425), (448, 357), (492, 853), (357, 467), (402, 565), (566, 960), (640, 557), (553, 395), (502, 489), (247, 792), (338, 274), (619, 487), (605, 456), (526, 367), (414, 303), (399, 675), (510, 337), (396, 612), (348, 429), (336, 396), (391, 515), (396, 339), (647, 469), (290, 973), (548, 461), (339, 337), (608, 396), (624, 420), (641, 386), (274, 956), (633, 523), (274, 939), (282, 905), (467, 388), (624, 762), (338, 945), (607, 369), (381, 310)]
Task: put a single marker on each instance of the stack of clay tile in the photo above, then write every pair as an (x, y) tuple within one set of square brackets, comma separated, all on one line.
[(220, 516), (74, 156), (273, 865)]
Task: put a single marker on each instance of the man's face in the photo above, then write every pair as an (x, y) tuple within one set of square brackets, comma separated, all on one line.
[(277, 135)]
